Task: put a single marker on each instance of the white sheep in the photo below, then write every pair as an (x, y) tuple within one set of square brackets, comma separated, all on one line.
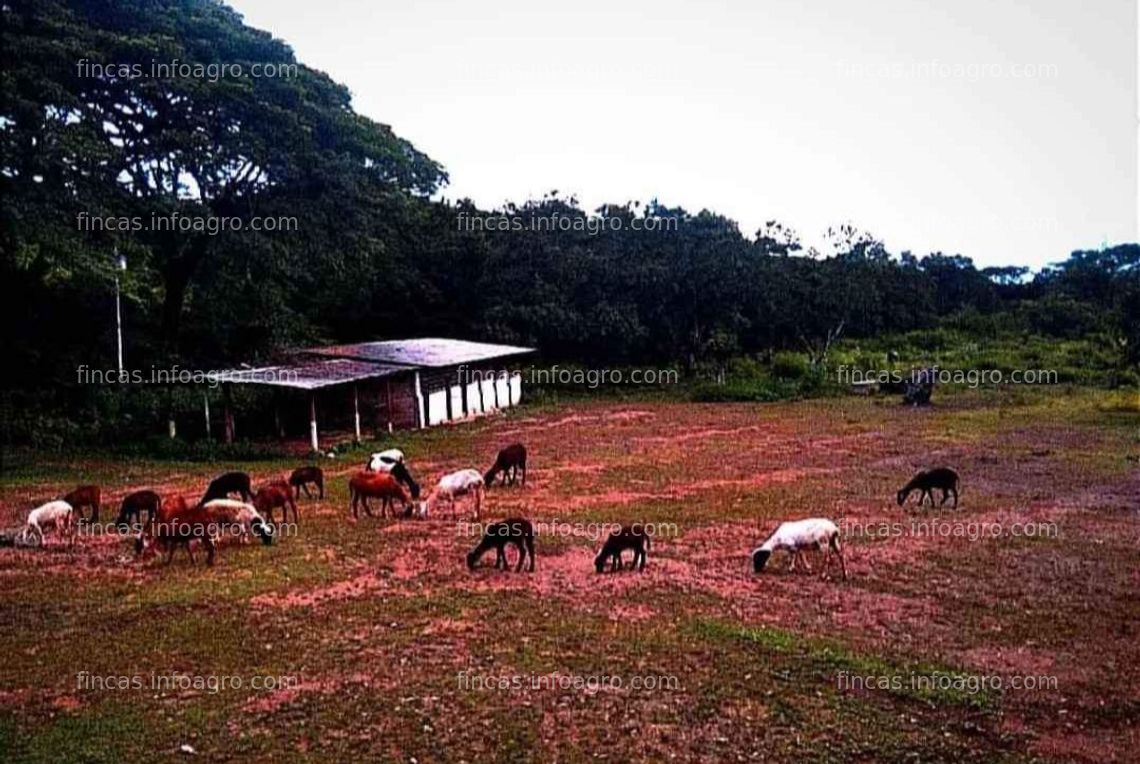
[(383, 461), (798, 535), (58, 515), (239, 513), (453, 485)]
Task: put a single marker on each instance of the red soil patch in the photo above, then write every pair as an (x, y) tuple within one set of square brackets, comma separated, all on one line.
[(984, 605), (360, 585)]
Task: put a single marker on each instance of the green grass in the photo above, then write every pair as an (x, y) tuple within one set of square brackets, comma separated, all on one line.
[(821, 660), (383, 665)]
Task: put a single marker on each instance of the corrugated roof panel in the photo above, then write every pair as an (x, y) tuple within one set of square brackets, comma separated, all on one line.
[(429, 351), (310, 374)]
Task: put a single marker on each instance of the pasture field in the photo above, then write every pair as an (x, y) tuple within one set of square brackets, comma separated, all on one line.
[(388, 649)]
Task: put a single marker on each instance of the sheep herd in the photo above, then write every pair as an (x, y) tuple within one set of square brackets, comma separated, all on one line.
[(174, 522)]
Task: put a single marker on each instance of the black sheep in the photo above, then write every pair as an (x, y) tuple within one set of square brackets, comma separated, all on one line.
[(232, 482), (942, 478), (628, 537), (135, 504), (509, 461), (401, 473), (301, 478), (496, 536)]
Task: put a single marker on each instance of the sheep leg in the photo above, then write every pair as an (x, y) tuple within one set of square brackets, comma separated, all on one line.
[(500, 558), (804, 560), (955, 490), (834, 547), (209, 543), (945, 497), (530, 550), (641, 558), (522, 555)]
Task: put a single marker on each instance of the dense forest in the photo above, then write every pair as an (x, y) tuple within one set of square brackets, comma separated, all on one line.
[(376, 250)]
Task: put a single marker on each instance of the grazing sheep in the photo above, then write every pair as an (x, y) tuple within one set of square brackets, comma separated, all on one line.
[(795, 537), (509, 461), (231, 482), (303, 476), (400, 472), (21, 536), (392, 461), (628, 537), (942, 478), (178, 524), (135, 504), (382, 461), (452, 486), (239, 514), (273, 495), (377, 485), (58, 515), (516, 531), (84, 496)]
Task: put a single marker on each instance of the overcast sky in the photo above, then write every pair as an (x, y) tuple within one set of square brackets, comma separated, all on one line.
[(1005, 130)]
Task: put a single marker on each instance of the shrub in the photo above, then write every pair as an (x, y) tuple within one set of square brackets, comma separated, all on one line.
[(176, 449), (746, 391), (786, 365)]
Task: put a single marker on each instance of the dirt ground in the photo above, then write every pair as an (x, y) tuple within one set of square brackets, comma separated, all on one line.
[(1020, 608)]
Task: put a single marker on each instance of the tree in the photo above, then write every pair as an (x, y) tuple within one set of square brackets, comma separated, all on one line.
[(87, 118)]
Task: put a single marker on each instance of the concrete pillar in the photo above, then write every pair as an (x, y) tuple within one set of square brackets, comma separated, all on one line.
[(420, 403), (206, 411), (356, 411), (228, 415), (313, 441)]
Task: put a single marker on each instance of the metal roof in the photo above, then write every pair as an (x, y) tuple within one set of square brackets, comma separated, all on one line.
[(309, 374), (431, 352)]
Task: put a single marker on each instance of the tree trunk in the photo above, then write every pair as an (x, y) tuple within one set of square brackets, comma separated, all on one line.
[(176, 277), (176, 281)]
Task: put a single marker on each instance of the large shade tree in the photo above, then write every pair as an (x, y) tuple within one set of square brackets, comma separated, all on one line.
[(92, 128)]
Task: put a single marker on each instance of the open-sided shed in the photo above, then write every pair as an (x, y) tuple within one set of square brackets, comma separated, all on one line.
[(408, 383), (453, 379)]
